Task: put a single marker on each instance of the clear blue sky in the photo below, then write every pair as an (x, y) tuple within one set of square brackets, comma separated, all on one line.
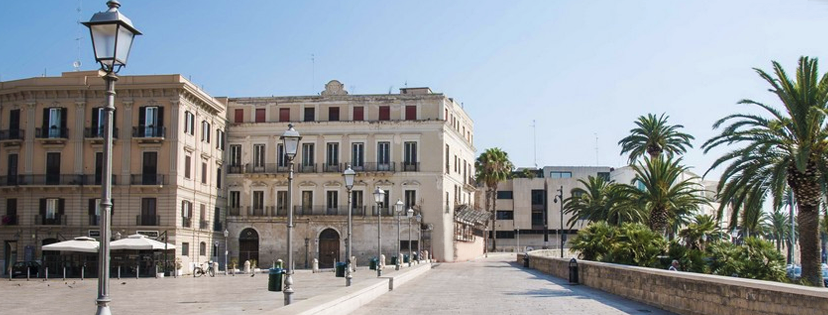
[(581, 69)]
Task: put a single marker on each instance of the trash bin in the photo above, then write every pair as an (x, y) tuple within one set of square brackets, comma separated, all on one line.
[(416, 256), (573, 271), (274, 279), (340, 269), (406, 259), (373, 264), (393, 260), (526, 260)]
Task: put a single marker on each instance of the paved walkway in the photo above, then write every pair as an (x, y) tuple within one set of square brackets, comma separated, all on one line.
[(240, 294), (497, 285)]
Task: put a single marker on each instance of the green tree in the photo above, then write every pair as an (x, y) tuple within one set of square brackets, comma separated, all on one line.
[(666, 195), (780, 227), (635, 244), (594, 241), (600, 200), (789, 148), (492, 167), (702, 231), (654, 136)]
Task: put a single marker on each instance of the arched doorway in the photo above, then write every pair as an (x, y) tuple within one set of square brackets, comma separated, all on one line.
[(248, 246), (328, 248)]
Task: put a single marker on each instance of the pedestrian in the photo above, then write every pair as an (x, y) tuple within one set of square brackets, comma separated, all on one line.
[(674, 266)]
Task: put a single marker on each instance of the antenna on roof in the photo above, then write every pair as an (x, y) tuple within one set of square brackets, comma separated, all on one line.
[(390, 88), (406, 83), (77, 63)]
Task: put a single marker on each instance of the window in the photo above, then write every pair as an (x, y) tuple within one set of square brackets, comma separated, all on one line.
[(148, 212), (505, 234), (235, 199), (235, 155), (307, 199), (384, 156), (205, 131), (54, 123), (98, 117), (186, 213), (359, 113), (202, 217), (258, 200), (504, 194), (356, 199), (14, 125), (218, 177), (384, 113), (53, 168), (310, 114), (187, 167), (281, 202), (149, 169), (284, 114), (556, 174), (151, 121), (11, 212), (281, 158), (410, 156), (238, 116), (203, 172), (410, 112), (410, 199), (11, 170), (538, 197), (220, 139), (185, 249), (333, 113), (448, 155), (216, 223), (604, 175), (258, 155), (332, 157), (505, 215), (260, 115), (307, 154), (358, 155), (332, 200), (51, 208), (189, 123)]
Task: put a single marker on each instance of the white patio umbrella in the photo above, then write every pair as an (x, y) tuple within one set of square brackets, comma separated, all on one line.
[(81, 244), (139, 242)]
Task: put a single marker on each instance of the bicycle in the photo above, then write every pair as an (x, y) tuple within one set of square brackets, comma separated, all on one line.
[(199, 271)]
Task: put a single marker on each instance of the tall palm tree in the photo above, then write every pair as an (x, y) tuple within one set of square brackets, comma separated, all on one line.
[(654, 136), (600, 200), (702, 231), (665, 195), (780, 227), (492, 167), (787, 149)]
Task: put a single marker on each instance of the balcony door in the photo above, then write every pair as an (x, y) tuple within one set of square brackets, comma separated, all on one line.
[(53, 168), (14, 124), (98, 167), (149, 169), (11, 171)]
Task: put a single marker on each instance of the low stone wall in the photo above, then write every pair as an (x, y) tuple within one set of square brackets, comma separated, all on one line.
[(685, 292)]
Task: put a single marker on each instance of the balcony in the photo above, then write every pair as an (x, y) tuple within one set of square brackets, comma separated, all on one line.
[(259, 211), (41, 180), (333, 168), (12, 135), (147, 220), (9, 219), (234, 211), (149, 133), (306, 168), (203, 224), (95, 180), (217, 227), (186, 222), (385, 211), (235, 169), (148, 179), (52, 134), (57, 219), (374, 167), (97, 133), (411, 166), (94, 220), (267, 168)]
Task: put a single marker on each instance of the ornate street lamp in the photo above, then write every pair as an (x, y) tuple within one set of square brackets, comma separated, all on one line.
[(349, 175), (112, 35), (398, 210), (559, 197), (419, 236), (291, 142), (379, 196), (226, 248), (410, 215)]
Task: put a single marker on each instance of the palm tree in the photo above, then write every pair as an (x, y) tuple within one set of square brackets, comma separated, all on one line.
[(600, 200), (665, 195), (780, 227), (654, 136), (787, 149), (492, 167), (702, 231)]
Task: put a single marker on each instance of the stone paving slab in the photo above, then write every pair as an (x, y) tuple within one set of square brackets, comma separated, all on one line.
[(240, 294), (498, 285)]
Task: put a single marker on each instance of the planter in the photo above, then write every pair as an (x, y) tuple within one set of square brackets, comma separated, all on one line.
[(159, 275)]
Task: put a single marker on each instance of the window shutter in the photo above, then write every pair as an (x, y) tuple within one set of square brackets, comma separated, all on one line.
[(114, 114), (95, 123), (92, 206), (142, 116), (61, 203), (45, 125), (43, 208), (63, 120), (160, 116)]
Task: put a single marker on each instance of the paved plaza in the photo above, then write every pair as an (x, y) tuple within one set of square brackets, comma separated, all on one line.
[(497, 285)]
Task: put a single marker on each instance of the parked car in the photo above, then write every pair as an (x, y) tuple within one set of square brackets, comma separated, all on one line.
[(825, 273), (20, 268), (794, 272)]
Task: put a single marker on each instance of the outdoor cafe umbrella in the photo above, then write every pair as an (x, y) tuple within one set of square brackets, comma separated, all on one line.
[(81, 244), (139, 242)]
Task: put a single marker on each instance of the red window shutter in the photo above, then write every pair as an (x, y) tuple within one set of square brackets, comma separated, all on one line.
[(411, 112), (239, 115), (260, 115), (384, 113), (358, 113), (284, 114)]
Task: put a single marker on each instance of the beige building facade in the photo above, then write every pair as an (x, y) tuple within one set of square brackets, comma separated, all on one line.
[(417, 146), (167, 167)]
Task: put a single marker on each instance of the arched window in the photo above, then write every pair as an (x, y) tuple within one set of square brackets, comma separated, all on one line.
[(202, 249)]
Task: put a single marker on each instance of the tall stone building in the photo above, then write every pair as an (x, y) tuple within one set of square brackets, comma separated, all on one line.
[(167, 167), (415, 145)]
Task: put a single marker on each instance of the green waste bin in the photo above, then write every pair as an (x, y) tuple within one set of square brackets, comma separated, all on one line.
[(340, 269), (274, 279), (406, 259), (393, 260), (373, 264)]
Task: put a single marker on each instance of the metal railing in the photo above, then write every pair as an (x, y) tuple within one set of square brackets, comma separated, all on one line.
[(12, 134), (235, 169), (375, 167), (217, 226), (95, 180), (94, 219), (149, 132), (259, 211), (267, 168), (98, 132), (147, 220), (203, 224), (333, 168), (52, 133), (310, 168), (57, 219), (9, 219), (411, 166), (234, 211), (40, 179), (148, 179), (385, 211)]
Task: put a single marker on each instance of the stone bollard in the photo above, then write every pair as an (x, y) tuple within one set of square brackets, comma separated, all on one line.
[(215, 267), (382, 261), (425, 254), (280, 263), (315, 265), (246, 266), (353, 264)]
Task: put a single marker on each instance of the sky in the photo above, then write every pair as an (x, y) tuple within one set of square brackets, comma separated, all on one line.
[(581, 72)]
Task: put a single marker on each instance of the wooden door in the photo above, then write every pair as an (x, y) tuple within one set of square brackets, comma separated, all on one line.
[(328, 248)]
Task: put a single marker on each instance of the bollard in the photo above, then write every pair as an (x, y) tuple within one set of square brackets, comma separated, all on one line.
[(64, 273), (137, 271), (83, 268), (156, 272), (47, 274), (315, 266), (27, 273), (119, 272)]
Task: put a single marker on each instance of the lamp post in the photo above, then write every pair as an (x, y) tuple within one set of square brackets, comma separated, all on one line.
[(559, 197), (379, 196), (398, 208), (349, 175), (226, 249), (409, 216), (112, 35), (419, 236), (291, 142)]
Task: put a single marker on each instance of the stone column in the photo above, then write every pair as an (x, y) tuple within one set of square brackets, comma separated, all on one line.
[(125, 138)]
